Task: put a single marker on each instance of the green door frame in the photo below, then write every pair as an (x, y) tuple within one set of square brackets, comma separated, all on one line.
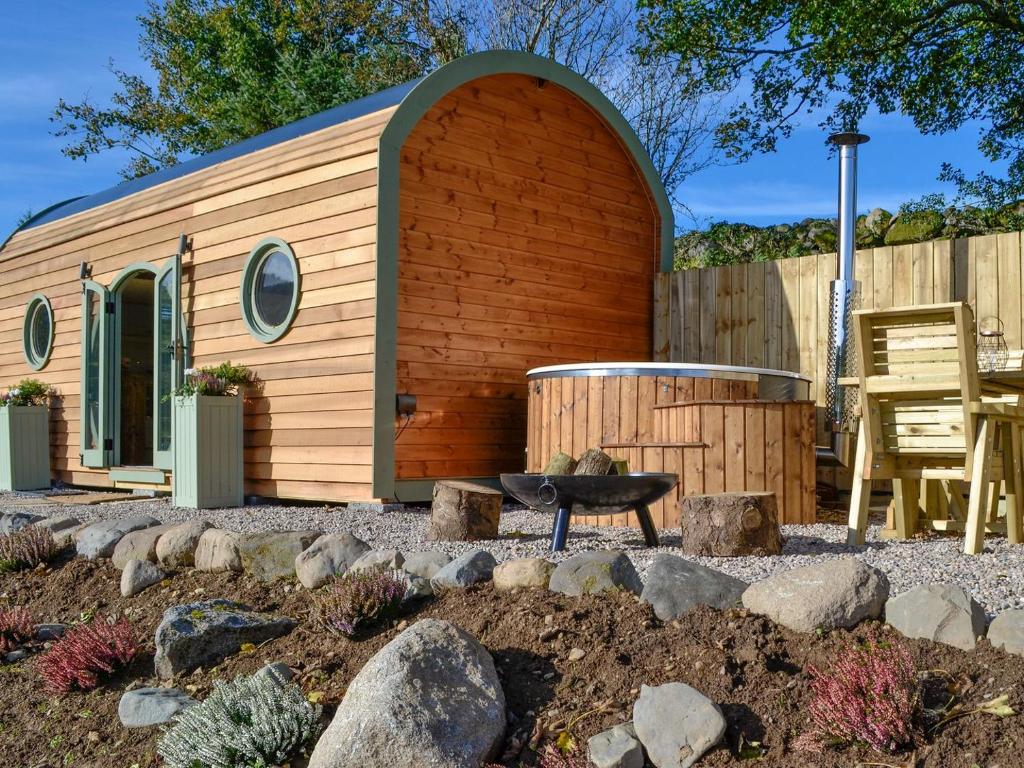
[(96, 448)]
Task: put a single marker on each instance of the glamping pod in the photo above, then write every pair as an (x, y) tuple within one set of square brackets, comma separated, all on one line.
[(389, 269)]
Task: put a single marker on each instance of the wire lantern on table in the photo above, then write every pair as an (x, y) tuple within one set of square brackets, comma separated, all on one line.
[(992, 351)]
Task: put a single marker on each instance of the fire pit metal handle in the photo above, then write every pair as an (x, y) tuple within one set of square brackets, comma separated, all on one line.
[(547, 493)]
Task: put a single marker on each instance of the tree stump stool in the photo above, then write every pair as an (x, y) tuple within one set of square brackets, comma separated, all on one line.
[(730, 525), (464, 512)]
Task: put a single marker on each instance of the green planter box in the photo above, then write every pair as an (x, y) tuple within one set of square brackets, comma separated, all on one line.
[(208, 452), (24, 447)]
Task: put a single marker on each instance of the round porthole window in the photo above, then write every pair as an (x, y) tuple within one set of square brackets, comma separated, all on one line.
[(270, 290), (37, 332)]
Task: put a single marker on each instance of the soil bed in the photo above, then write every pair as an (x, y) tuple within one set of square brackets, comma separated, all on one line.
[(754, 669)]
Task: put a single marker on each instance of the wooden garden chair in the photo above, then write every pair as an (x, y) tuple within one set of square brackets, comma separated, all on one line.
[(923, 418)]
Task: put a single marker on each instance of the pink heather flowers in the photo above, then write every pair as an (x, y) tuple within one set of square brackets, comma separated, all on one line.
[(358, 599), (15, 628), (870, 694), (26, 548), (85, 652)]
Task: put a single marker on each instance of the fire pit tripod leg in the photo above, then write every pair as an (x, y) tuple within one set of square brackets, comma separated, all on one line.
[(561, 529), (643, 514)]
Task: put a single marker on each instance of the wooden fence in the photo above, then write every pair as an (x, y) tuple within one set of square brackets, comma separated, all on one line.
[(775, 314)]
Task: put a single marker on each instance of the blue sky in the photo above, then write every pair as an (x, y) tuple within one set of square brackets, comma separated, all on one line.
[(60, 48)]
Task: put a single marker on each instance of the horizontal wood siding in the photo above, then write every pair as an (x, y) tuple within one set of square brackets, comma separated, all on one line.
[(527, 238), (308, 430)]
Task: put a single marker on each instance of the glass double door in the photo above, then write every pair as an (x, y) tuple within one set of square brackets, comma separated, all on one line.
[(132, 360)]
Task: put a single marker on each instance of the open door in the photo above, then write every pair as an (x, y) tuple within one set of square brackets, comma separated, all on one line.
[(167, 358), (97, 439)]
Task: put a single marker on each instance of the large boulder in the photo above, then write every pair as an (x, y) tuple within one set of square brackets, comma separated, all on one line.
[(138, 545), (730, 525), (425, 564), (673, 586), (523, 573), (177, 547), (1007, 631), (676, 724), (464, 571), (58, 523), (139, 575), (618, 747), (205, 633), (943, 613), (271, 556), (99, 539), (15, 521), (914, 227), (327, 557), (151, 706), (389, 559), (592, 572), (217, 551), (827, 595), (430, 698)]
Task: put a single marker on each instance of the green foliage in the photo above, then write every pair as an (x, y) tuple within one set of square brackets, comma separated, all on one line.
[(27, 392), (253, 721), (230, 69), (215, 380), (916, 221), (942, 64)]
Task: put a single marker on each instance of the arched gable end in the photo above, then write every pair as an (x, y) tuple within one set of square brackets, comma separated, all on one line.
[(409, 113)]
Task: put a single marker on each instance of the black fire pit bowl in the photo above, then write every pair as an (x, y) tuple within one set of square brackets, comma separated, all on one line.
[(610, 493)]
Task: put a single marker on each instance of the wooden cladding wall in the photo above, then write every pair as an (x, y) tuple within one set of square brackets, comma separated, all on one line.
[(775, 314), (527, 238), (308, 431), (574, 413)]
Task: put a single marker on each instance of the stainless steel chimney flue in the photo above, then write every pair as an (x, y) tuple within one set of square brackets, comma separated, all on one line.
[(844, 295)]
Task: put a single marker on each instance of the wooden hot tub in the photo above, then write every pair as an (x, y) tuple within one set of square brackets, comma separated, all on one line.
[(621, 408)]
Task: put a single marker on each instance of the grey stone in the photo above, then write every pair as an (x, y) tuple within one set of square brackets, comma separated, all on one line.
[(943, 613), (391, 559), (327, 557), (203, 634), (99, 539), (430, 698), (15, 656), (523, 573), (46, 632), (271, 556), (466, 569), (676, 724), (1007, 631), (139, 575), (425, 564), (177, 547), (58, 523), (15, 521), (151, 706), (217, 551), (673, 586), (138, 545), (374, 507), (834, 594), (618, 747), (277, 670), (417, 588), (66, 536), (592, 572)]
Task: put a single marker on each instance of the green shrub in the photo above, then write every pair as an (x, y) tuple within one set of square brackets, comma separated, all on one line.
[(254, 721), (27, 392)]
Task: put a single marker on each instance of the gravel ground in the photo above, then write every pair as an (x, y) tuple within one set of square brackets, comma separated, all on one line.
[(995, 578)]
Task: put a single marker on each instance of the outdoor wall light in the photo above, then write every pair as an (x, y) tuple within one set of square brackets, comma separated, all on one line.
[(84, 270)]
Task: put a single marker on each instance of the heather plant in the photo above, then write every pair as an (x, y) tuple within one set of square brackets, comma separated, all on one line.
[(26, 392), (254, 721), (215, 380), (16, 628), (870, 695), (357, 599), (26, 549), (86, 652)]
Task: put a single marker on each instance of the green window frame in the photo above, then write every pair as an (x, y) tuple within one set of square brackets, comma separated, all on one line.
[(259, 328), (37, 350)]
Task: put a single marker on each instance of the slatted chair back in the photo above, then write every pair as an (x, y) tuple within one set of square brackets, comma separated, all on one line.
[(918, 377)]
